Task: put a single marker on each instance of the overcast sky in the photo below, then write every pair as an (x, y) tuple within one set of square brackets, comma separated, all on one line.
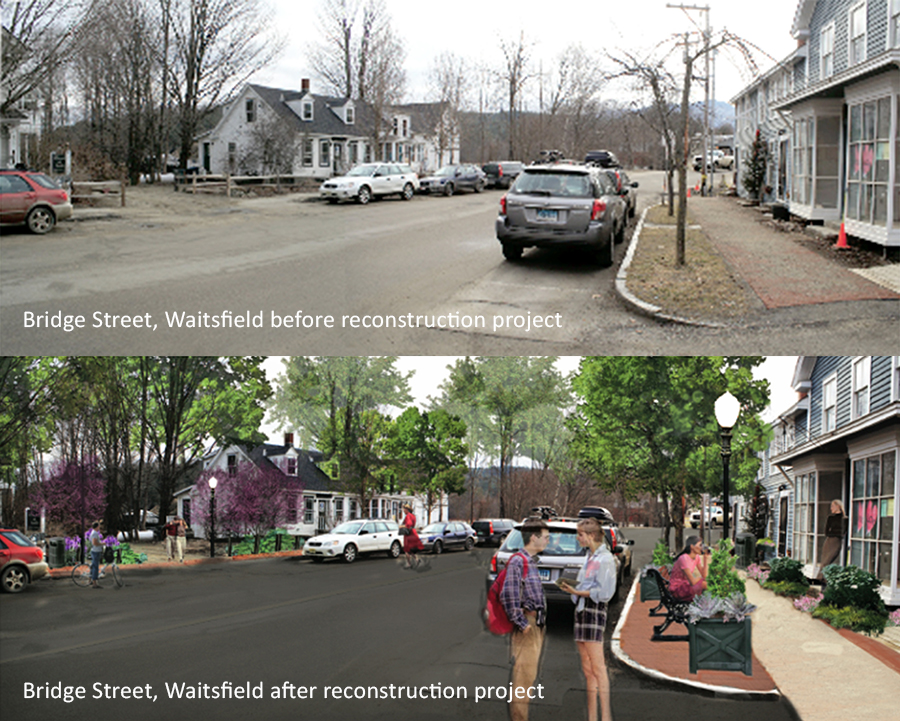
[(431, 371), (474, 28)]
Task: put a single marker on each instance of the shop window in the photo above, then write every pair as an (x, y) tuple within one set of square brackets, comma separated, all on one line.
[(869, 161), (872, 513), (804, 517)]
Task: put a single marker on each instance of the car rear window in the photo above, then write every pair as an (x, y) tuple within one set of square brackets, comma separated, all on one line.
[(576, 185), (17, 538), (562, 543), (43, 181)]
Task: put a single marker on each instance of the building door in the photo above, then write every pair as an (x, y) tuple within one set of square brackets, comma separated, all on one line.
[(206, 162), (322, 523), (782, 526), (337, 158)]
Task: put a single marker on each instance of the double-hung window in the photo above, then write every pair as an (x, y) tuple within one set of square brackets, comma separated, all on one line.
[(895, 24), (861, 387), (858, 34), (829, 405), (826, 51)]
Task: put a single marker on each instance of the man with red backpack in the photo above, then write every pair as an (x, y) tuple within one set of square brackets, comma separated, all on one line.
[(523, 600)]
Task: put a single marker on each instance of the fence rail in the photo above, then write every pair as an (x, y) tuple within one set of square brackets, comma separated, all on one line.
[(93, 190), (197, 183)]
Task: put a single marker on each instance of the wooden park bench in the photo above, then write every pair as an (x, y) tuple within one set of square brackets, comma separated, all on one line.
[(674, 610)]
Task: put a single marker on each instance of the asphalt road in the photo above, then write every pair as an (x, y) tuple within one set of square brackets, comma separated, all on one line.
[(292, 625), (290, 266)]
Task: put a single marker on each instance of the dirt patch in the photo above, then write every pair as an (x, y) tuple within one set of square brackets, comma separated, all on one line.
[(703, 288)]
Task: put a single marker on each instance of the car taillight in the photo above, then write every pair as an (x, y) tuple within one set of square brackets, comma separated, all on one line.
[(494, 563), (598, 209), (503, 205)]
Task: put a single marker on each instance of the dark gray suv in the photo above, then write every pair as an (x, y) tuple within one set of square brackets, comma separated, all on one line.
[(561, 205)]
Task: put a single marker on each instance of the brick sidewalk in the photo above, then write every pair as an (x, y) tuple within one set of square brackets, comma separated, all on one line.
[(670, 658), (780, 271)]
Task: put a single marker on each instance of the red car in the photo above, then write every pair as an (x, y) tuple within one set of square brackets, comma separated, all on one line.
[(21, 562), (32, 199)]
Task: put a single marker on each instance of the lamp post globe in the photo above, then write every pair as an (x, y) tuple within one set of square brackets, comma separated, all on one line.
[(728, 408)]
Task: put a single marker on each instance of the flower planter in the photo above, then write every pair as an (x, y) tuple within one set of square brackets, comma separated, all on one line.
[(649, 589), (719, 645)]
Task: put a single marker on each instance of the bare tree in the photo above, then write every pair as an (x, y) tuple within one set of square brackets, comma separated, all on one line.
[(383, 80), (449, 86), (514, 75), (217, 46), (272, 147), (332, 58), (37, 36), (652, 76)]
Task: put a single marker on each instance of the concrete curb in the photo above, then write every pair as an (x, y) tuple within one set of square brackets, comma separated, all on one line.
[(641, 307), (705, 688), (66, 571)]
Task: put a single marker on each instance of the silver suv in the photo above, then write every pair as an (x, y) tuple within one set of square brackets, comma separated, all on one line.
[(561, 205)]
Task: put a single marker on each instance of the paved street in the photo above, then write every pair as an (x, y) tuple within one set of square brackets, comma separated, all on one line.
[(325, 279), (283, 622)]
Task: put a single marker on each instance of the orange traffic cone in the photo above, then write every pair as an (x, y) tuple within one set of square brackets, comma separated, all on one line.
[(842, 243), (689, 193)]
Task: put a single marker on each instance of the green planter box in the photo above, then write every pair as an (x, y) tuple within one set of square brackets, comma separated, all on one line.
[(720, 646), (649, 589)]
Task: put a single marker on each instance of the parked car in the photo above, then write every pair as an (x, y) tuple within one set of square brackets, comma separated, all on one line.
[(451, 178), (33, 200), (715, 515), (717, 158), (444, 536), (602, 158), (624, 187), (493, 531), (21, 561), (351, 538), (563, 556), (501, 173), (371, 180), (561, 205), (614, 536)]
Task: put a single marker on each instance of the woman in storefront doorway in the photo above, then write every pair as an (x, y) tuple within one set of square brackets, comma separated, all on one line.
[(835, 532)]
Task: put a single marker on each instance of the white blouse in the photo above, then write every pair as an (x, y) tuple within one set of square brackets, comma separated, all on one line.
[(597, 575)]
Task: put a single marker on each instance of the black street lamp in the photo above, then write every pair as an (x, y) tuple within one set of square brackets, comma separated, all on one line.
[(728, 408), (213, 482)]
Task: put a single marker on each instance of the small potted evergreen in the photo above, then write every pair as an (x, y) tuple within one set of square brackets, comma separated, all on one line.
[(719, 625)]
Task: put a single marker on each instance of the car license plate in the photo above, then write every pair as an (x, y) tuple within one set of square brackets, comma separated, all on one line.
[(545, 574), (544, 214)]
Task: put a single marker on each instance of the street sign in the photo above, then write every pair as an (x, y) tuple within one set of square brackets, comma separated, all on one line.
[(58, 163)]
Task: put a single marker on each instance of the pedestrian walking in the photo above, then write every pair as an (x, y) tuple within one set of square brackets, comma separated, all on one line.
[(523, 600), (96, 539), (412, 544), (171, 539), (835, 531), (180, 538), (595, 585)]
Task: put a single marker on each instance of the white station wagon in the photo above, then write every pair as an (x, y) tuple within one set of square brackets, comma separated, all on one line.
[(371, 179), (351, 538)]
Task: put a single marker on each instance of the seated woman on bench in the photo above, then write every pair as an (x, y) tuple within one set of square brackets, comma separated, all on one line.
[(688, 577)]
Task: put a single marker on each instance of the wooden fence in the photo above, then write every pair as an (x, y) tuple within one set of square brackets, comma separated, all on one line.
[(197, 183), (96, 190)]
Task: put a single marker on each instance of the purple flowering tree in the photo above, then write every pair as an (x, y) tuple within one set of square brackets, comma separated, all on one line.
[(252, 501)]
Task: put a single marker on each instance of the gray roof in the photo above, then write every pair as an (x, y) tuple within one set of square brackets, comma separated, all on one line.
[(324, 121)]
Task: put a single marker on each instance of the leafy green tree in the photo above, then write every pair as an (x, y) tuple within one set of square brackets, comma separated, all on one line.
[(334, 402), (652, 418), (503, 391), (429, 449)]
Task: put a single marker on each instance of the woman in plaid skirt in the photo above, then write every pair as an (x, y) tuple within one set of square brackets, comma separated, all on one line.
[(596, 585)]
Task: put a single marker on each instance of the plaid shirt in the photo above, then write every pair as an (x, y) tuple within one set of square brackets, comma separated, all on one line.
[(520, 595)]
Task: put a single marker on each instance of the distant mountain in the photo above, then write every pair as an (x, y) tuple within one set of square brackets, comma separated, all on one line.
[(721, 111)]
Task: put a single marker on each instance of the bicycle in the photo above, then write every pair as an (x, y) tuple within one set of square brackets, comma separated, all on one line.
[(81, 574)]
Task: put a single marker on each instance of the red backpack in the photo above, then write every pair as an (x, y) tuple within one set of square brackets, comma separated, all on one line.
[(495, 618)]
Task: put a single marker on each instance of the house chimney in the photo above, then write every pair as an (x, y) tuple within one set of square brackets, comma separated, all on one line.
[(304, 85), (289, 440)]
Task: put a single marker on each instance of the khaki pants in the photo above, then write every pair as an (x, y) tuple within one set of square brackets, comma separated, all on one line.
[(179, 548), (170, 547), (525, 650)]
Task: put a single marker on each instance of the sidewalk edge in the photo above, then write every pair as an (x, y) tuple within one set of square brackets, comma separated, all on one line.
[(624, 658)]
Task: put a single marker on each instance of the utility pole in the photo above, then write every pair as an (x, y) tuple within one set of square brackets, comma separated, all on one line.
[(706, 106)]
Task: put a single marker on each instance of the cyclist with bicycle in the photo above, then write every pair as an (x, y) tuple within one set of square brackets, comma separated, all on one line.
[(96, 539)]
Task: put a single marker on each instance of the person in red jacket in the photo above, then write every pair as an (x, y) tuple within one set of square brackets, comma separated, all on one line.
[(411, 542)]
